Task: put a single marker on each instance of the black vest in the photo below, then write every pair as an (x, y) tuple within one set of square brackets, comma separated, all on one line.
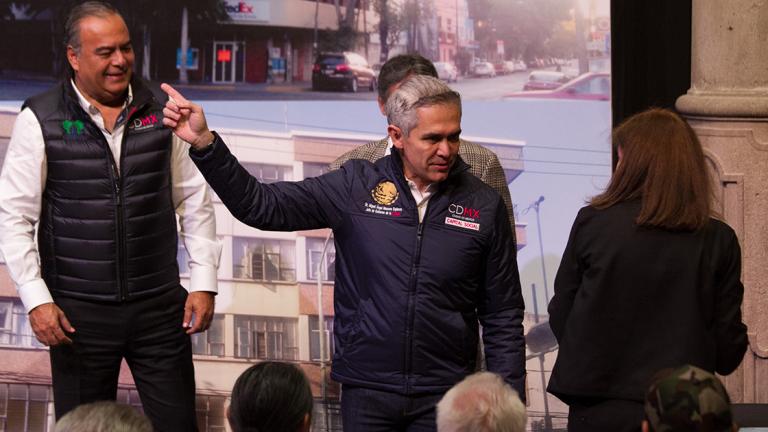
[(105, 235)]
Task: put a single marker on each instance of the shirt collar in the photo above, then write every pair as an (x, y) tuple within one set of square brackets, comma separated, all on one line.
[(429, 190), (90, 108)]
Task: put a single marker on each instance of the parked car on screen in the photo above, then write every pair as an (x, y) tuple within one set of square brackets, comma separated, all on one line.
[(508, 67), (484, 69), (346, 70), (447, 71), (589, 86), (545, 80)]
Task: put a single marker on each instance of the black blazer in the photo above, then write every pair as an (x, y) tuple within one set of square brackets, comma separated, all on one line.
[(632, 300)]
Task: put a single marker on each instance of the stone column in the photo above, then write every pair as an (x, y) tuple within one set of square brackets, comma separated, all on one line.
[(727, 105)]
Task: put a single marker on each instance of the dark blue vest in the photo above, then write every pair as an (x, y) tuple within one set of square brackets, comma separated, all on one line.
[(103, 234)]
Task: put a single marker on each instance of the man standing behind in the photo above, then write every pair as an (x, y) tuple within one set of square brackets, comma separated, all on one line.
[(483, 163), (91, 162), (424, 253)]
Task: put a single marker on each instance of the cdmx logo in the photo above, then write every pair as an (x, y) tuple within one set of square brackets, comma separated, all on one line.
[(464, 211), (145, 121), (72, 127)]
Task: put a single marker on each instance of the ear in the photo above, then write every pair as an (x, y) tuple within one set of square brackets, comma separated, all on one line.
[(72, 58), (381, 106), (396, 135), (306, 424)]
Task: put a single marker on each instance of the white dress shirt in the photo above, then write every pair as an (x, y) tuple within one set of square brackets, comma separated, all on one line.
[(21, 189)]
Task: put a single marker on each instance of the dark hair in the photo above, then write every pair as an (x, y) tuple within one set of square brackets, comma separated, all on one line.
[(269, 397), (80, 12), (399, 67), (663, 165)]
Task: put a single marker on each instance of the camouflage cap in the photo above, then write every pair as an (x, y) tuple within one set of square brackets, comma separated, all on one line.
[(688, 399)]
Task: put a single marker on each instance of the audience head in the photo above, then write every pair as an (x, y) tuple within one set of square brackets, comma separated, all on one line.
[(397, 69), (104, 416), (661, 162), (687, 399), (482, 402), (271, 396)]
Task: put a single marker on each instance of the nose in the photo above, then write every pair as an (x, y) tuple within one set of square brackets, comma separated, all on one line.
[(444, 149), (118, 58)]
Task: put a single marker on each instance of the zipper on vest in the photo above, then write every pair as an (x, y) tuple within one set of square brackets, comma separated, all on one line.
[(411, 305), (120, 232)]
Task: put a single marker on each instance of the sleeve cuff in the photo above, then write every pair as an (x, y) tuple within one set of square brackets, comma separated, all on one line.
[(205, 150), (203, 278), (34, 293)]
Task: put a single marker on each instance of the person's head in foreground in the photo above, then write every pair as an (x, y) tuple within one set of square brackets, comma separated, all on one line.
[(661, 162), (424, 118), (271, 396), (103, 416), (687, 399), (482, 402)]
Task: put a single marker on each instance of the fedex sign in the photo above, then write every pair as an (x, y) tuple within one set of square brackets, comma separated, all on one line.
[(241, 7), (247, 10)]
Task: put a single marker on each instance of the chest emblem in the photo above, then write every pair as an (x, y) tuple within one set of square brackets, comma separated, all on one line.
[(385, 193), (72, 127), (463, 217), (146, 122)]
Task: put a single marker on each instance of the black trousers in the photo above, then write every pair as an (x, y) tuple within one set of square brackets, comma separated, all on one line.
[(369, 410), (604, 415), (149, 335)]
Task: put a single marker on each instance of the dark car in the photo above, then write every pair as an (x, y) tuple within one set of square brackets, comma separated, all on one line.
[(589, 86), (348, 70)]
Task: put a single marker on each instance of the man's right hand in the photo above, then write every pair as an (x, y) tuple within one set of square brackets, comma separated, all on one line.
[(49, 323)]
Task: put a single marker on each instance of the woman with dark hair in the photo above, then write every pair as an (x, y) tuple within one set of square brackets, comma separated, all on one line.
[(271, 397), (649, 279)]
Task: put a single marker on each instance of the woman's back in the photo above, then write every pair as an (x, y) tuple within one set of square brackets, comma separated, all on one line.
[(630, 300)]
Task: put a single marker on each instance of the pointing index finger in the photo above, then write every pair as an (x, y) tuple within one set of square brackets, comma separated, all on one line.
[(173, 94)]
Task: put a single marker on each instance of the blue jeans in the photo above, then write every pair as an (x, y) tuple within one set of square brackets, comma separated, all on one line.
[(368, 410)]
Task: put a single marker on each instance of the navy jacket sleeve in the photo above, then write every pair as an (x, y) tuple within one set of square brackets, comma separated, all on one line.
[(501, 307), (284, 206), (730, 332), (567, 283)]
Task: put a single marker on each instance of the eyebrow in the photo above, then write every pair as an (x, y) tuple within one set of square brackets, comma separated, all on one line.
[(437, 137), (112, 48)]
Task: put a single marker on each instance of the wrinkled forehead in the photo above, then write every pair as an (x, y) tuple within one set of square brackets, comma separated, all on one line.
[(439, 110)]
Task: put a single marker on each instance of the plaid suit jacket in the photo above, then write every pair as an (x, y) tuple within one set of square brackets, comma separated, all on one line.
[(484, 164)]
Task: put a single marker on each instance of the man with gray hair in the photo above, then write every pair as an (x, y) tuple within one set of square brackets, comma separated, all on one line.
[(482, 402), (424, 253)]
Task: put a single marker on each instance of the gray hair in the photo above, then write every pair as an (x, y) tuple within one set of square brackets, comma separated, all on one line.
[(482, 402), (80, 12), (103, 416), (417, 91)]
